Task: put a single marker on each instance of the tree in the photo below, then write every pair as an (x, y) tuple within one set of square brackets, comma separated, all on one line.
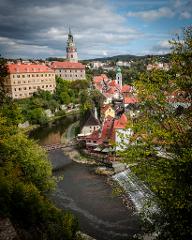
[(162, 129), (26, 179)]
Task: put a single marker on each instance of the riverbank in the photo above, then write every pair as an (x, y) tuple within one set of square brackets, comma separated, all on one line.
[(32, 127), (72, 152)]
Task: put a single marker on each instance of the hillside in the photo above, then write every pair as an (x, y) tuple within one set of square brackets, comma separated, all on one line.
[(129, 57)]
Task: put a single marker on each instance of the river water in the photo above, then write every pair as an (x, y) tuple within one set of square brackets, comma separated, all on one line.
[(101, 214)]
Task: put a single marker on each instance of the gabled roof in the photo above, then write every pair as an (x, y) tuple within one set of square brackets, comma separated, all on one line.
[(126, 88), (107, 128), (98, 79), (93, 136), (67, 65), (28, 68), (91, 121), (121, 122), (128, 100)]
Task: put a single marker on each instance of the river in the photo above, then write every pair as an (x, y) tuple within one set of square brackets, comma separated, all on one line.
[(101, 214)]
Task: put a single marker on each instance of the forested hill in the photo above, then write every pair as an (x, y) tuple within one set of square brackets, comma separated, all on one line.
[(129, 57)]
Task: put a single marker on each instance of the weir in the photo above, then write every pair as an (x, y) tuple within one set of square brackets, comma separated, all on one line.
[(136, 190)]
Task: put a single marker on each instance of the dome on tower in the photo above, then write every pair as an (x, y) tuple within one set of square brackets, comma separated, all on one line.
[(118, 70)]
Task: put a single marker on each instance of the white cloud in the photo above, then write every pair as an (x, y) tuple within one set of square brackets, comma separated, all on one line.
[(14, 48), (186, 15), (94, 24), (154, 14)]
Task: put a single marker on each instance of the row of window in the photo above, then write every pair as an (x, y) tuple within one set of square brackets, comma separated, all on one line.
[(34, 87), (70, 76), (32, 75), (32, 81), (70, 70), (25, 95)]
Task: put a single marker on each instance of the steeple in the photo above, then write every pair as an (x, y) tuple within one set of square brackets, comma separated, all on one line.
[(71, 49), (119, 77)]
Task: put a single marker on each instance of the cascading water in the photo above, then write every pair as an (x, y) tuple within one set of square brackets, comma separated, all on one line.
[(137, 191)]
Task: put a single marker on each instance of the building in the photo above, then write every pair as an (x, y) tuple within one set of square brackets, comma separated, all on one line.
[(25, 79), (91, 125), (119, 77), (71, 49), (70, 69), (106, 111)]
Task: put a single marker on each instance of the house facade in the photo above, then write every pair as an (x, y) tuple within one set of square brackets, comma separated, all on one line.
[(25, 79)]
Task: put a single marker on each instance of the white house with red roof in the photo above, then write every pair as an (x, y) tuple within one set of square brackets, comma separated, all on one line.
[(121, 133), (25, 79), (69, 70)]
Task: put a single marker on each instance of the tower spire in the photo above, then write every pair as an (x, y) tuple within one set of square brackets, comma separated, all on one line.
[(71, 49)]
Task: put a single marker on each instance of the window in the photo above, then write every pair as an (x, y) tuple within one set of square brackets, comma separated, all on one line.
[(41, 75), (43, 86), (13, 76), (25, 88), (23, 76), (37, 75), (19, 88), (18, 76), (29, 87), (45, 75), (50, 85), (33, 75), (15, 89)]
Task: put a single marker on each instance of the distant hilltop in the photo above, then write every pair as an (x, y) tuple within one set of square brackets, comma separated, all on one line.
[(129, 57)]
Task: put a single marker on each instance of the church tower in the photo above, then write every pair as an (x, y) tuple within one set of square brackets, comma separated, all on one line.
[(71, 49), (119, 77)]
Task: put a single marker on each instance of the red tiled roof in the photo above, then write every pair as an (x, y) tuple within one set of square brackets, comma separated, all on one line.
[(107, 128), (126, 88), (28, 68), (128, 100), (68, 65), (121, 122), (98, 79), (93, 136), (113, 83)]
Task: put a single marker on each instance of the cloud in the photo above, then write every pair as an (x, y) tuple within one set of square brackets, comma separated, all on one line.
[(162, 47), (44, 24), (186, 15), (150, 15), (168, 10)]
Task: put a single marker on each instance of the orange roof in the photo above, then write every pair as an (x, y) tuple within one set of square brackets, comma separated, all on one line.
[(126, 88), (68, 65), (100, 78), (107, 128), (113, 83), (28, 68), (128, 100), (93, 136), (121, 122)]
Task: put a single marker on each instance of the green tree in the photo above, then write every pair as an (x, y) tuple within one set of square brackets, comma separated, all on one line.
[(162, 128)]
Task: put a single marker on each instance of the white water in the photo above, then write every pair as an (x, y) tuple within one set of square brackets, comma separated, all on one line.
[(139, 194)]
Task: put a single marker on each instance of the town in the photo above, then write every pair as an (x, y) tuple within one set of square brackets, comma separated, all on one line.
[(99, 148)]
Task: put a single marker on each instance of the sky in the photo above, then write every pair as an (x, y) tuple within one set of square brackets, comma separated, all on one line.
[(39, 28)]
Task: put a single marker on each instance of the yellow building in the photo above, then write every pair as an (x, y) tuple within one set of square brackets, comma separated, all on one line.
[(107, 110), (25, 79)]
